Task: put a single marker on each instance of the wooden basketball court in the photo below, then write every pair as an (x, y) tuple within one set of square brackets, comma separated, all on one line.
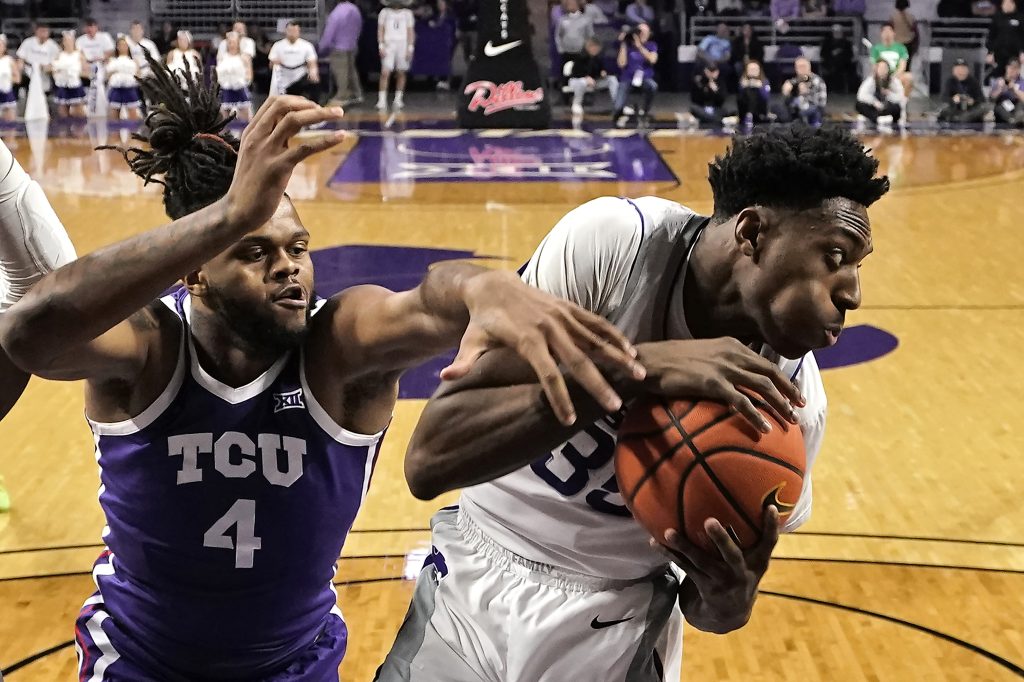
[(912, 567)]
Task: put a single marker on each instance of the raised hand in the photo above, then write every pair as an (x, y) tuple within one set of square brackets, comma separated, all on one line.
[(265, 159)]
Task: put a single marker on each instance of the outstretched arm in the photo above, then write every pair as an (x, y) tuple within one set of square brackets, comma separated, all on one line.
[(12, 384), (74, 323)]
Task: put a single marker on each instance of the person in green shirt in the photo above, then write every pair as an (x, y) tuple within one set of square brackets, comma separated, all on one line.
[(895, 55)]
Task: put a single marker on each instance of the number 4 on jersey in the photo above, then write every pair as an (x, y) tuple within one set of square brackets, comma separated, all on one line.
[(242, 515)]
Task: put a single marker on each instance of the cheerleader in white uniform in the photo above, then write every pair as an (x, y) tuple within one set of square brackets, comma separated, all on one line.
[(183, 58), (234, 74), (122, 73), (67, 70), (10, 75)]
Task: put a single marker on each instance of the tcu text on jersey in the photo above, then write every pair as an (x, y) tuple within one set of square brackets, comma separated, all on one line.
[(235, 455)]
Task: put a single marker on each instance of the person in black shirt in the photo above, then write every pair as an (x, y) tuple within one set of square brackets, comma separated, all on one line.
[(746, 47), (708, 97), (1005, 37), (965, 102), (838, 67), (589, 74)]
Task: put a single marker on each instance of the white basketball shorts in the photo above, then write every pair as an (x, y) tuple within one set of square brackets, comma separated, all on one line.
[(483, 614), (396, 56)]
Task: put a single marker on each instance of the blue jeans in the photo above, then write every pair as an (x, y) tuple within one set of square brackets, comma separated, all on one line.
[(811, 115), (649, 87)]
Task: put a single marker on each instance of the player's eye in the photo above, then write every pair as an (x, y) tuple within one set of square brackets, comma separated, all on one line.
[(255, 254), (298, 249), (835, 258)]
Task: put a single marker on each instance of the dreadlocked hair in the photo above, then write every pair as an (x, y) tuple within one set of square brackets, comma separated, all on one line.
[(188, 151), (796, 167)]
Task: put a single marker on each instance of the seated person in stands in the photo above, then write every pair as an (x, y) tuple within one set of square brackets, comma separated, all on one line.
[(804, 94), (837, 63), (715, 49), (895, 55), (1007, 96), (753, 95), (880, 96), (589, 74), (707, 96), (746, 47), (637, 56), (965, 102)]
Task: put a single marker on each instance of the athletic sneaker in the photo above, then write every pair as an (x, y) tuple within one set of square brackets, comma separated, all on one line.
[(382, 104), (399, 103)]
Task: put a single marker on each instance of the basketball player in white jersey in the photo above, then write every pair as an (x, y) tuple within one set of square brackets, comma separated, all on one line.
[(541, 573), (396, 39), (32, 243)]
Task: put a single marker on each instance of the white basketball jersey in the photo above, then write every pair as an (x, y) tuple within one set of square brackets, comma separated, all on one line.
[(231, 73), (396, 24), (624, 259)]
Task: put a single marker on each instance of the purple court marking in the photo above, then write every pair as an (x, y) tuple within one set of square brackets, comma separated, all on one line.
[(469, 156), (861, 343)]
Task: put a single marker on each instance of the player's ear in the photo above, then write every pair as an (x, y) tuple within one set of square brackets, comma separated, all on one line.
[(751, 225), (195, 282)]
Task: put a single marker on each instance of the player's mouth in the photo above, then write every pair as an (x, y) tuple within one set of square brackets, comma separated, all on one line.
[(831, 334), (292, 297)]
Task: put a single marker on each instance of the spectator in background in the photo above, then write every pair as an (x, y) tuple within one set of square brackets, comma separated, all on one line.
[(589, 75), (880, 96), (167, 39), (67, 69), (234, 75), (715, 49), (849, 8), (805, 94), (141, 46), (1007, 96), (1005, 37), (444, 19), (905, 27), (294, 61), (894, 54), (10, 74), (38, 50), (785, 9), (965, 102), (96, 46), (218, 37), (707, 96), (246, 44), (597, 17), (261, 62), (837, 63), (637, 56), (396, 38), (813, 9), (122, 78), (754, 94), (182, 57), (574, 30), (340, 42), (746, 47), (466, 25), (640, 12)]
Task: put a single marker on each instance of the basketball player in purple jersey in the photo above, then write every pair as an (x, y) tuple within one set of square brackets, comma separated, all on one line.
[(237, 421), (542, 573), (32, 243)]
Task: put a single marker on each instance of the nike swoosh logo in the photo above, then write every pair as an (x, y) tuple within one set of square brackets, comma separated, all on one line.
[(492, 50), (597, 625)]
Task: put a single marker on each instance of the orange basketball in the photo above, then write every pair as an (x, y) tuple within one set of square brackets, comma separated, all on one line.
[(681, 462)]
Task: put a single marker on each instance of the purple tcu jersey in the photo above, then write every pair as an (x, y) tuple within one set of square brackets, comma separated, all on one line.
[(226, 510)]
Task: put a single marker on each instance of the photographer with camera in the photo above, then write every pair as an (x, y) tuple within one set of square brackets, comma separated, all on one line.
[(637, 56), (965, 102), (805, 94), (1007, 96)]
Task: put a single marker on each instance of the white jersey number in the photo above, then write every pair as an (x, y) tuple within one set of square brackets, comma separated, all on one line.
[(242, 515)]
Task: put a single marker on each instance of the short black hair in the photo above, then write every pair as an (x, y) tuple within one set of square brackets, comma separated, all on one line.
[(136, 22), (292, 22), (794, 167), (887, 24), (188, 148), (89, 21)]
